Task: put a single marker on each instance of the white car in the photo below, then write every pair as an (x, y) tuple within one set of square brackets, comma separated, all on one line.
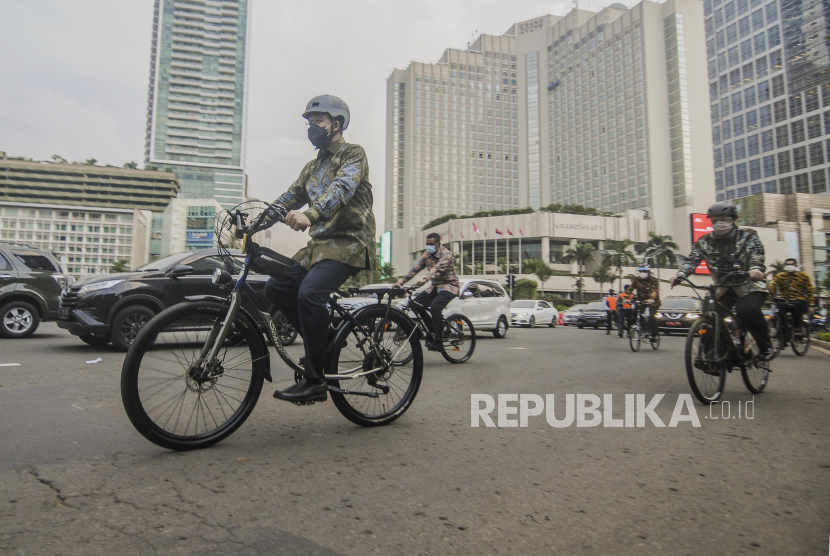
[(571, 316), (529, 312), (484, 302)]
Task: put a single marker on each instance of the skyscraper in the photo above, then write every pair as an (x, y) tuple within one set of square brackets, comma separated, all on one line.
[(769, 88), (196, 107)]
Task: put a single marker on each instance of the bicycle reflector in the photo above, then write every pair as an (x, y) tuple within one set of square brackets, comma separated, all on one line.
[(701, 332)]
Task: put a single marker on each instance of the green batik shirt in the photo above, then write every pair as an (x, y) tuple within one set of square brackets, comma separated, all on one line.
[(336, 188), (741, 246)]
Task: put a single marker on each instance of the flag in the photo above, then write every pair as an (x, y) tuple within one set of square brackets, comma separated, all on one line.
[(475, 228), (499, 232), (462, 236), (452, 236), (520, 232), (509, 232)]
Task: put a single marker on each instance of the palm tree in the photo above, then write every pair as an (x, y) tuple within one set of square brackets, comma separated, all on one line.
[(541, 270), (387, 272), (58, 158), (617, 255), (776, 268), (130, 165), (580, 254), (119, 266), (90, 161), (658, 251), (602, 276)]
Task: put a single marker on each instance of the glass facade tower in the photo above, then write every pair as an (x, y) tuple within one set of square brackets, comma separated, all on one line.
[(196, 107)]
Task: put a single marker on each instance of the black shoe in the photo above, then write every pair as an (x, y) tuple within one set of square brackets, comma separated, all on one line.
[(766, 354), (433, 346), (304, 391), (607, 332)]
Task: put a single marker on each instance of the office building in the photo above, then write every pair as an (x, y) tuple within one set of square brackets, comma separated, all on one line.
[(596, 110), (25, 181), (196, 105), (87, 240), (770, 96), (187, 225)]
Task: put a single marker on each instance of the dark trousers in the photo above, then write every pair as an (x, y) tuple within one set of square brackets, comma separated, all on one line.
[(796, 309), (610, 317), (750, 316), (624, 317), (302, 296), (652, 318), (436, 301)]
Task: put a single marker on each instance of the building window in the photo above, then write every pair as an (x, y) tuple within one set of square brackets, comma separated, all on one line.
[(800, 158), (802, 183), (819, 181), (797, 131), (782, 136), (784, 162), (814, 126), (786, 185), (755, 169), (780, 110)]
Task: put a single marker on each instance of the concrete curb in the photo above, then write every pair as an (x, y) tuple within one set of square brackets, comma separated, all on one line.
[(825, 346)]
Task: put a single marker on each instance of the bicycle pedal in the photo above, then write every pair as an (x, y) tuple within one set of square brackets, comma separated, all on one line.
[(303, 403)]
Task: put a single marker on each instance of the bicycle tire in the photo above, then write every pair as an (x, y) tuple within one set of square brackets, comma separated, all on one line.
[(800, 342), (655, 341), (707, 376), (634, 339), (345, 354), (173, 338), (458, 340), (775, 336)]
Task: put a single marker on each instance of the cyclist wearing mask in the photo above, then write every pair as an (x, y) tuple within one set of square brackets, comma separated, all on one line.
[(444, 288), (795, 287), (646, 288), (728, 248), (341, 223)]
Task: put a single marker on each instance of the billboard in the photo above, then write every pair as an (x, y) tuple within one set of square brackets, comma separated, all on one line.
[(386, 248), (701, 225), (194, 237)]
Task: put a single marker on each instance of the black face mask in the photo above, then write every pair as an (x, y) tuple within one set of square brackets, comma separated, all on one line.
[(318, 136)]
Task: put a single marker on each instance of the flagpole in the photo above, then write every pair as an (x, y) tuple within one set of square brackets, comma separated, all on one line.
[(484, 264), (473, 254), (520, 252)]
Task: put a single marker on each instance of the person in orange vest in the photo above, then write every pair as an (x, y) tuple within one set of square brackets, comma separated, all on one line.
[(610, 310), (624, 309)]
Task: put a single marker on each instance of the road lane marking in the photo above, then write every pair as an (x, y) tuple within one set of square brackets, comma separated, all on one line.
[(514, 348), (18, 364)]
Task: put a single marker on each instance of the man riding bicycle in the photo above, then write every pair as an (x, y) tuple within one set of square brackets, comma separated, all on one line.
[(726, 249), (646, 289), (444, 288), (795, 288), (335, 186)]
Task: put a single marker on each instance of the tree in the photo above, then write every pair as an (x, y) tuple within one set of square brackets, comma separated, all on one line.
[(130, 165), (776, 268), (119, 266), (580, 254), (58, 158), (150, 167), (617, 255), (541, 270), (387, 272), (90, 161), (658, 251), (602, 276)]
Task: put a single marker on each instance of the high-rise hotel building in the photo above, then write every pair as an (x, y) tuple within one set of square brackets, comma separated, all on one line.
[(196, 107), (769, 88), (607, 110)]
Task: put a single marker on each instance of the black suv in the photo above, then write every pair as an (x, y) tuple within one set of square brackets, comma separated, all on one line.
[(31, 280), (114, 307)]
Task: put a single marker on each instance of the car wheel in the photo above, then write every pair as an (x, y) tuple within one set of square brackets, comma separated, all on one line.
[(127, 324), (532, 322), (95, 340), (18, 319), (579, 326), (552, 322), (501, 328)]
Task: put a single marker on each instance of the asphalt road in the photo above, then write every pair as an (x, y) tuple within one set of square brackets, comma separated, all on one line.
[(76, 478)]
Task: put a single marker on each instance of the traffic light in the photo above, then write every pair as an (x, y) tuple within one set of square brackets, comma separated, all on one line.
[(511, 280)]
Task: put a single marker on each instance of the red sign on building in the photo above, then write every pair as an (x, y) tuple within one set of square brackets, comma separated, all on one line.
[(701, 225)]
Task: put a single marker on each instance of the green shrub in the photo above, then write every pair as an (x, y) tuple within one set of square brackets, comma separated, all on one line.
[(525, 289), (823, 336)]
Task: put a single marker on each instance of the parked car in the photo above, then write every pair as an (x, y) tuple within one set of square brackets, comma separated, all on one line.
[(31, 281), (529, 312), (114, 307), (594, 314), (676, 314), (571, 316), (484, 302)]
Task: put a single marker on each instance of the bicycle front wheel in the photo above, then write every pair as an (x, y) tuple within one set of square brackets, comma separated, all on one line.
[(800, 338), (707, 375), (458, 341), (655, 341), (376, 341), (179, 404), (775, 336), (634, 337)]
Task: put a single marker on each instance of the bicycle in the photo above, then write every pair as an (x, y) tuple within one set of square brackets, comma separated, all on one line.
[(458, 338), (784, 331), (715, 345), (640, 328), (195, 371)]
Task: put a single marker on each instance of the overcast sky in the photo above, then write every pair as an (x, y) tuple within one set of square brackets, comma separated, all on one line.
[(75, 73)]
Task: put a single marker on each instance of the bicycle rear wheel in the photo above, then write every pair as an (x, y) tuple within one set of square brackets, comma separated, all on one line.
[(655, 341), (458, 341), (634, 337), (756, 373), (706, 374), (800, 338), (380, 397), (181, 406)]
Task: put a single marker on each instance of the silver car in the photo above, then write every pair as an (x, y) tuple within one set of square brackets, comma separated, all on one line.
[(571, 316)]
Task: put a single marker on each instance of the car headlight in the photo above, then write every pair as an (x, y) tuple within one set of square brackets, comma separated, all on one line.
[(521, 314), (98, 286), (692, 316), (659, 315)]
